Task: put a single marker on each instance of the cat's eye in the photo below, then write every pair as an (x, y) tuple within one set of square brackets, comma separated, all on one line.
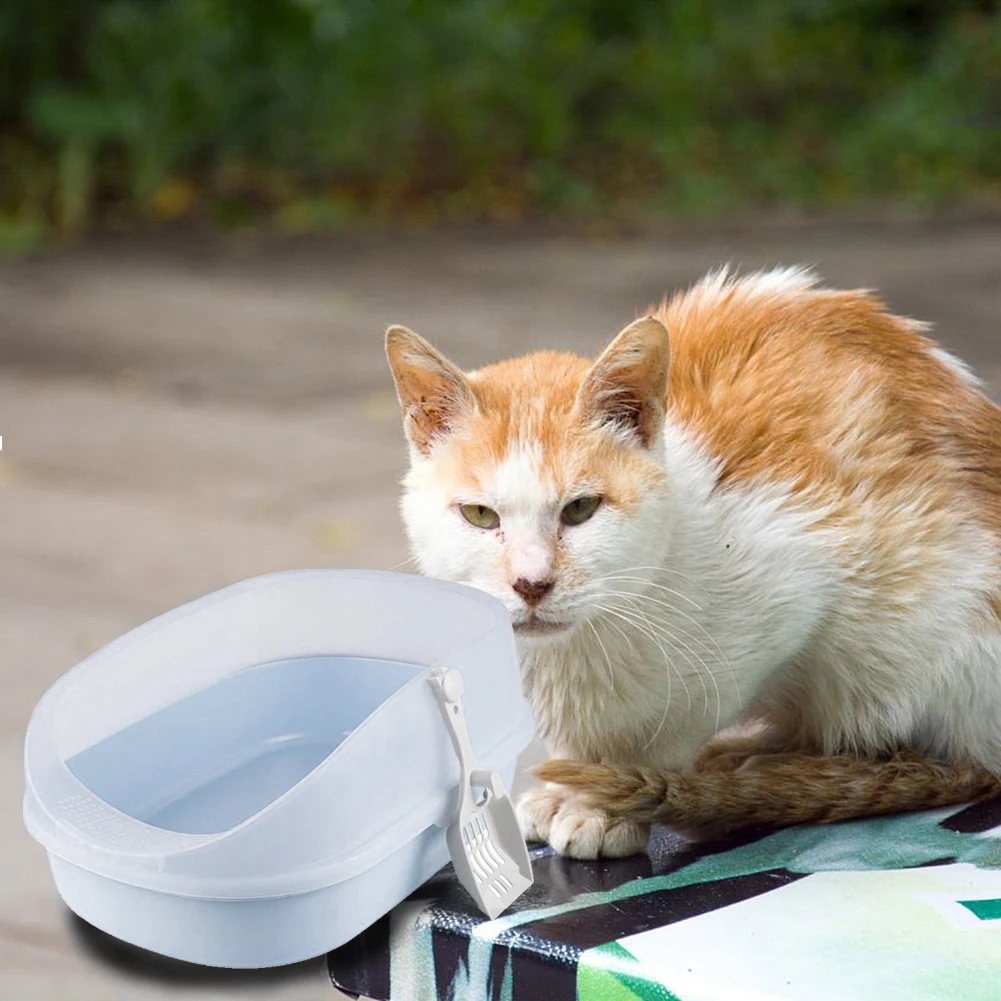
[(580, 510), (479, 515)]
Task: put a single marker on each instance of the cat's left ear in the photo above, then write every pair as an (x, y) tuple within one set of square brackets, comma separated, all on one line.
[(627, 386), (433, 393)]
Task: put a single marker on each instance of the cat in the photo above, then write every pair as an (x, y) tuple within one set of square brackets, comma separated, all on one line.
[(752, 557)]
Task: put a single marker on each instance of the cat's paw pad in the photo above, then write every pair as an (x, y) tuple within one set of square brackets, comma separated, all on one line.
[(536, 810), (584, 832)]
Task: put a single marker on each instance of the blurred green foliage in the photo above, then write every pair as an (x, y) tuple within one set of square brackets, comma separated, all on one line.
[(307, 112)]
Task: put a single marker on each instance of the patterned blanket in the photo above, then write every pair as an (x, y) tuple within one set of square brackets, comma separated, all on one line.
[(902, 908)]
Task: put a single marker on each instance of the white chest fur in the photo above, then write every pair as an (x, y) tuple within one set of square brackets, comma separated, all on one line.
[(742, 584)]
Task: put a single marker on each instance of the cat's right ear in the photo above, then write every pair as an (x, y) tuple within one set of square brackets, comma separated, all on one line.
[(627, 385), (432, 392)]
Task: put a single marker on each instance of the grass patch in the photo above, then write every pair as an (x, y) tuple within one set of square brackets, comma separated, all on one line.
[(307, 113)]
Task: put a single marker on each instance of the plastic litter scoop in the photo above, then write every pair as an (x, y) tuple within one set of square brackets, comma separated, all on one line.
[(487, 848)]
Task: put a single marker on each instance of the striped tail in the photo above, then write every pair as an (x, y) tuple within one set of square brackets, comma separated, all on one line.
[(776, 790)]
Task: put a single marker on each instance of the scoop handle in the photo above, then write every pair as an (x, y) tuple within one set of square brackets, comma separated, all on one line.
[(447, 685)]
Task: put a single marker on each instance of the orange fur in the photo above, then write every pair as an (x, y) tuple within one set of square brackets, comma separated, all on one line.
[(534, 399), (770, 405)]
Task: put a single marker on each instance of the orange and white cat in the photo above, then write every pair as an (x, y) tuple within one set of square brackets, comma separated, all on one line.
[(765, 503)]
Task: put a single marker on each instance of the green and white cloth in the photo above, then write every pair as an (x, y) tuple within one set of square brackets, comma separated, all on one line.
[(904, 908)]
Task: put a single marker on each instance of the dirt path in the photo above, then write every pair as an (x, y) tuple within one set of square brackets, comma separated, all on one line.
[(174, 419)]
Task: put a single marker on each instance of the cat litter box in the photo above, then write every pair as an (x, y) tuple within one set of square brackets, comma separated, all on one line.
[(254, 778)]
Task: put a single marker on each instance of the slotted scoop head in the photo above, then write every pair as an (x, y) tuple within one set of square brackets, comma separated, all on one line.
[(488, 851)]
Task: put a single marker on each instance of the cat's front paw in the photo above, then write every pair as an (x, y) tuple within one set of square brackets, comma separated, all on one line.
[(536, 810), (579, 830)]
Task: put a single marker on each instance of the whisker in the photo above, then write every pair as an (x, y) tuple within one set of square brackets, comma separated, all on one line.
[(635, 625), (719, 652), (667, 664), (655, 636), (721, 658), (403, 563), (671, 638), (660, 569), (715, 650), (611, 680), (712, 678), (632, 573), (661, 587), (708, 670), (634, 619), (622, 633)]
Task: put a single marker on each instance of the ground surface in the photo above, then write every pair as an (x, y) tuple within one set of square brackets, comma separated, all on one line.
[(175, 418)]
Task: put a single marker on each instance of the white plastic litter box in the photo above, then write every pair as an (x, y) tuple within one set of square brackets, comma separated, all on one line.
[(254, 778)]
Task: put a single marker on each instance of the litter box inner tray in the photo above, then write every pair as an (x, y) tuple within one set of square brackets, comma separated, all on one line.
[(215, 758)]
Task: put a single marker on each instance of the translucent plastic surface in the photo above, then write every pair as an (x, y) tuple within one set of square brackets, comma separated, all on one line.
[(272, 738), (213, 759)]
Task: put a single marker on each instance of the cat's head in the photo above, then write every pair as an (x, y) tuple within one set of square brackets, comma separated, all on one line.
[(538, 479)]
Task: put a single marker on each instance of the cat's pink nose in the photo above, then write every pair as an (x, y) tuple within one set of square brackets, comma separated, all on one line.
[(532, 591)]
